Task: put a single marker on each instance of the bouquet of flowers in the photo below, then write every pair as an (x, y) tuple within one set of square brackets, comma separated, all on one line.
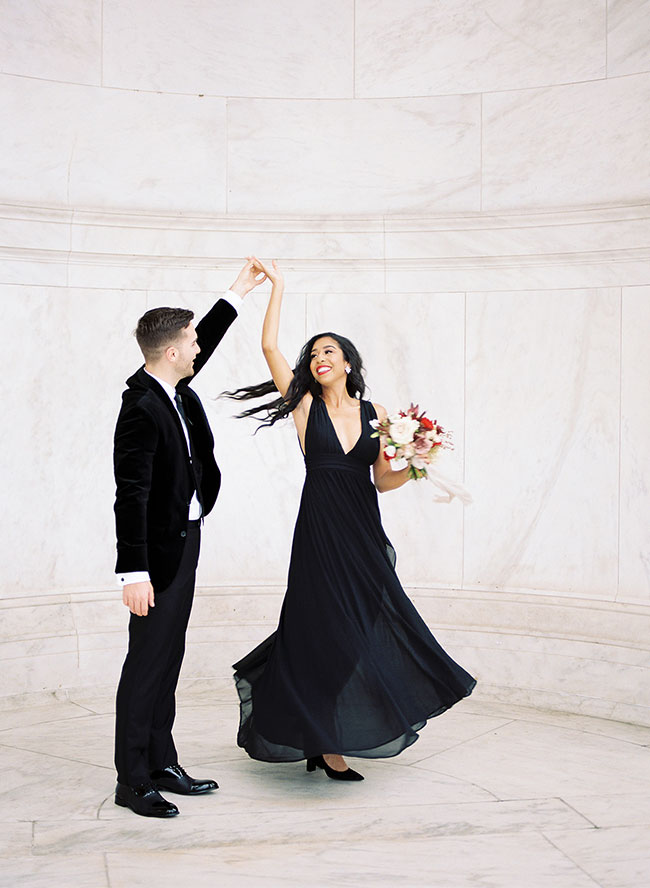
[(412, 440)]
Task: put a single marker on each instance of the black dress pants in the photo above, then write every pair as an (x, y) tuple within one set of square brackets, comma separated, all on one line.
[(145, 705)]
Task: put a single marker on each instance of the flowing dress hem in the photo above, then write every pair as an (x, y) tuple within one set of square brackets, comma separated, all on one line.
[(369, 752)]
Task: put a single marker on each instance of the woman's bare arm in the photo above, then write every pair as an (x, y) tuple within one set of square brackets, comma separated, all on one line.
[(278, 365), (384, 477)]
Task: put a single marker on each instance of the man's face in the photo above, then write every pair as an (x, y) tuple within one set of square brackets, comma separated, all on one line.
[(187, 348)]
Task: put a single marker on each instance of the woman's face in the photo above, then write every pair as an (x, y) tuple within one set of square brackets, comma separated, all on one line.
[(327, 361)]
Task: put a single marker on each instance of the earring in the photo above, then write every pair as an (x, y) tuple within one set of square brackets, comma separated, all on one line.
[(348, 369)]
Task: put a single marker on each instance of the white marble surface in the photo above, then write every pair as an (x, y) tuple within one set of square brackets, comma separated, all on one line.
[(634, 551), (23, 228), (628, 37), (535, 145), (299, 48), (566, 762), (518, 237), (188, 253), (63, 425), (302, 240), (542, 429), (363, 107), (81, 145), (497, 796), (422, 48), (366, 156), (513, 274), (52, 39), (622, 857)]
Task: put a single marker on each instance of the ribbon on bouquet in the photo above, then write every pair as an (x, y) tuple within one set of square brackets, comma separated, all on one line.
[(450, 487)]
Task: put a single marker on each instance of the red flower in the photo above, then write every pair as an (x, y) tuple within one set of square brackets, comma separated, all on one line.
[(426, 423)]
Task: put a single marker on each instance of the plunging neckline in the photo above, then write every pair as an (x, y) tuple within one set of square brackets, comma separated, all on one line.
[(343, 450)]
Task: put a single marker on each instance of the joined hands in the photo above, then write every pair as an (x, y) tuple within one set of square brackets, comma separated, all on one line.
[(255, 273)]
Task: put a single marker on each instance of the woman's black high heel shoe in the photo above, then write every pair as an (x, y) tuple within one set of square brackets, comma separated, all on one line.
[(319, 762)]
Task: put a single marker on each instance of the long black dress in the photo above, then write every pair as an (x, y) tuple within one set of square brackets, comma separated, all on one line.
[(352, 667)]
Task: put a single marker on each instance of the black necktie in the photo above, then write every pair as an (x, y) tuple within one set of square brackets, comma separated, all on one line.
[(188, 423), (181, 410)]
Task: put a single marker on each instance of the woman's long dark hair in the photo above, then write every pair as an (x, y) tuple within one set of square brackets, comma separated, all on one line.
[(302, 382)]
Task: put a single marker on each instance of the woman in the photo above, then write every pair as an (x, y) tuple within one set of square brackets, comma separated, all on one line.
[(352, 668)]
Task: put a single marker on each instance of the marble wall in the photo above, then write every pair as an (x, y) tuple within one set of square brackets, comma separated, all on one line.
[(538, 365), (542, 385), (463, 188), (354, 106)]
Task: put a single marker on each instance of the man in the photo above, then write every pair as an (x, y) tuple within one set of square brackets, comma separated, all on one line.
[(167, 481)]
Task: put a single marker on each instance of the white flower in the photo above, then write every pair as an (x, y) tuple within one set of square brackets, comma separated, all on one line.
[(403, 429), (374, 423), (390, 450), (398, 464), (418, 462)]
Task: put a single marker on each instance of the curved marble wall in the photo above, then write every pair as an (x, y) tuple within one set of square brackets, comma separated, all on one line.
[(526, 333), (350, 106), (461, 187)]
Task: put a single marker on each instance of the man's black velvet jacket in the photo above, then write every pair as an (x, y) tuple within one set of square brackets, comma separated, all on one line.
[(153, 475)]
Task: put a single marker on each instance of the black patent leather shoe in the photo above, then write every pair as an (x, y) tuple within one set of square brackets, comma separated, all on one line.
[(144, 800), (173, 778)]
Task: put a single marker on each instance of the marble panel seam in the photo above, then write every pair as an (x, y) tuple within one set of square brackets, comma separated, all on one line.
[(579, 813), (554, 636), (495, 802), (570, 859), (292, 97), (62, 758), (422, 263), (451, 594), (585, 730), (564, 694), (490, 730), (451, 221)]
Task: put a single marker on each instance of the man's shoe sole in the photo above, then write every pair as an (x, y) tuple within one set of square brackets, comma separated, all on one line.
[(161, 816)]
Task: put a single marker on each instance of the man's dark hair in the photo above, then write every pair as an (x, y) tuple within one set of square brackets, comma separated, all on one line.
[(158, 328)]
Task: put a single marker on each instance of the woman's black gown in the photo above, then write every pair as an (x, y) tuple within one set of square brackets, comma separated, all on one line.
[(352, 667)]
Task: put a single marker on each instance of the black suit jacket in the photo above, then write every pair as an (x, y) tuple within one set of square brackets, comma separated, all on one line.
[(153, 474)]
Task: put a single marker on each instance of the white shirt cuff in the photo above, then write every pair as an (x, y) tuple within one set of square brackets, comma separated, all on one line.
[(136, 576), (233, 299)]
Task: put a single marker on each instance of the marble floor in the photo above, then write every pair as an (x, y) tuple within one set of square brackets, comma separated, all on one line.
[(491, 795)]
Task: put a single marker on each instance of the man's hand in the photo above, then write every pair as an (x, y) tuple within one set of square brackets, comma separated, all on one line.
[(272, 272), (138, 597), (248, 278)]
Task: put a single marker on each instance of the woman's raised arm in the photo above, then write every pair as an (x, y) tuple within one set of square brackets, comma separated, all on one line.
[(278, 365)]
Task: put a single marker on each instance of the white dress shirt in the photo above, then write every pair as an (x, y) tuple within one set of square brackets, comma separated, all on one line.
[(142, 576)]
